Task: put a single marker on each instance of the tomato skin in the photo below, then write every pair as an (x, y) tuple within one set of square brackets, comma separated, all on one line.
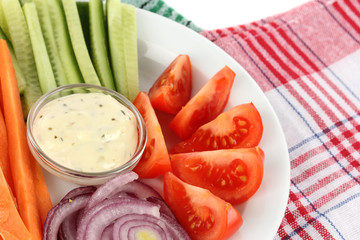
[(232, 174), (203, 215), (172, 89), (155, 160), (239, 127), (206, 105)]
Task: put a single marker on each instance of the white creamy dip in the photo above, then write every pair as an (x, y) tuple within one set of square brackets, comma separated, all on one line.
[(88, 132)]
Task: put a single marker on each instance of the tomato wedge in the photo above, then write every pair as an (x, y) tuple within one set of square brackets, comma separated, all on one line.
[(172, 89), (206, 105), (234, 175), (202, 214), (155, 160), (239, 127)]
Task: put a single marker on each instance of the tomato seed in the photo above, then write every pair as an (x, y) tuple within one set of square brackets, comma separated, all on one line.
[(241, 123), (243, 178), (243, 130)]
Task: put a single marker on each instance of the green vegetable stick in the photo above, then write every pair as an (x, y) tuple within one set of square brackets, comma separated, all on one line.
[(19, 74), (116, 43), (21, 43), (42, 9), (129, 31), (43, 65), (99, 51), (63, 42), (3, 23), (78, 42)]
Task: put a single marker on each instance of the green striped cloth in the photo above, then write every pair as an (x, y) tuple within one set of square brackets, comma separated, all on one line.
[(161, 8)]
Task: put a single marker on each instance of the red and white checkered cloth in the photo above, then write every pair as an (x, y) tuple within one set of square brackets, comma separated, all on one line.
[(307, 61)]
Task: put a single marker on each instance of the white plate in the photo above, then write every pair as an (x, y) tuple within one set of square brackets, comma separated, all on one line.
[(160, 40)]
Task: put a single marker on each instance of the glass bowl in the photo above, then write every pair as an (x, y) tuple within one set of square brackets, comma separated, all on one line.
[(67, 173)]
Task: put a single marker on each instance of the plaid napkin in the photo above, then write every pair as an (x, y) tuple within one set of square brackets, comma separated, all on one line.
[(307, 61)]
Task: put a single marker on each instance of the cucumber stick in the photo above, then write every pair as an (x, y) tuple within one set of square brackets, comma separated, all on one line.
[(48, 35), (78, 42), (123, 47), (21, 43), (116, 43), (19, 75), (42, 61), (63, 42), (3, 24), (83, 10), (129, 32), (99, 51)]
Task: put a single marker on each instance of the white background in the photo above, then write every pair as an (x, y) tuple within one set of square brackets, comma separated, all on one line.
[(213, 14)]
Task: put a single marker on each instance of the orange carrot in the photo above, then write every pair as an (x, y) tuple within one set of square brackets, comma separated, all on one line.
[(5, 235), (11, 224), (4, 154), (42, 193), (19, 153)]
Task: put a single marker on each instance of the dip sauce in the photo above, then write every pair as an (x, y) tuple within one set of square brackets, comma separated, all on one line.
[(88, 132)]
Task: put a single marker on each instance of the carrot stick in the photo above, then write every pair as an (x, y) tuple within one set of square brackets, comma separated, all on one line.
[(11, 224), (42, 194), (19, 153), (4, 153)]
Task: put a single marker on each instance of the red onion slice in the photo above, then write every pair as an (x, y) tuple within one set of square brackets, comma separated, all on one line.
[(110, 187), (122, 206), (138, 189), (164, 227), (107, 234), (68, 227), (64, 209), (86, 214), (79, 191), (111, 212), (164, 208), (132, 232), (174, 227), (150, 225)]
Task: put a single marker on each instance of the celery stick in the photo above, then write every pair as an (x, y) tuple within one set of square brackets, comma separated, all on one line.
[(42, 61), (116, 44), (63, 42), (19, 74), (20, 40), (42, 9), (129, 32), (78, 42), (99, 51)]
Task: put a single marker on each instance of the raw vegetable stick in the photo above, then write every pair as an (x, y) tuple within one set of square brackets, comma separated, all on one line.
[(83, 10), (122, 33), (3, 23), (19, 74), (4, 154), (19, 153), (43, 13), (98, 46), (128, 13), (63, 42), (78, 42), (42, 193), (11, 224), (20, 39), (42, 61), (116, 45)]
